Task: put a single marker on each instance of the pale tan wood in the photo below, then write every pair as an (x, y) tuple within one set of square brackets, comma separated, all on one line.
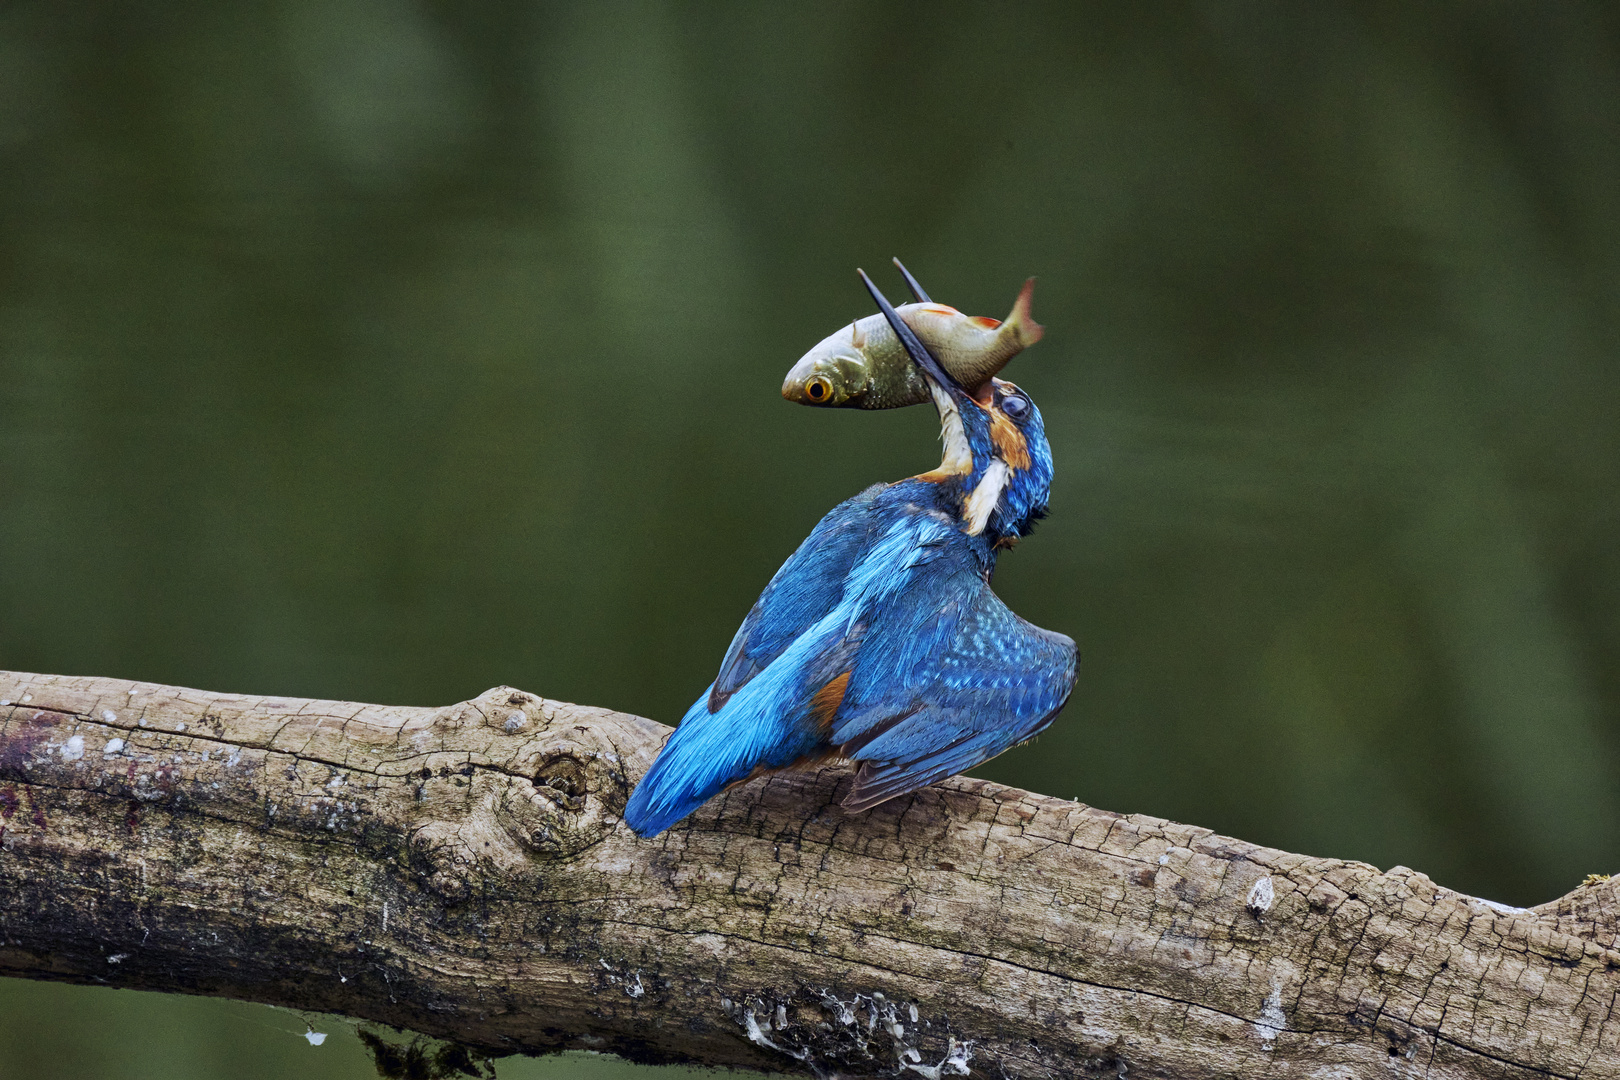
[(463, 872)]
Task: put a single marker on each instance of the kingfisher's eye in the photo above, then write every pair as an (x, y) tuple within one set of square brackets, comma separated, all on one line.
[(818, 388), (1015, 406)]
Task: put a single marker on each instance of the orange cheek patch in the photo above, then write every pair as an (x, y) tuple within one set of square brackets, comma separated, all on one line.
[(824, 702), (1010, 443)]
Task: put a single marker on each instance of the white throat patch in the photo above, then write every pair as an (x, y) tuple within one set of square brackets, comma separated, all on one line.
[(958, 455), (983, 499)]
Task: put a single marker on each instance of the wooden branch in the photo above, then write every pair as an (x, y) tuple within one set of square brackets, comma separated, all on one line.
[(463, 872)]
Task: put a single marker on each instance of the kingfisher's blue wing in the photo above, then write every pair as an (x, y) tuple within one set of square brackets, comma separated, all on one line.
[(780, 710), (949, 679), (804, 590)]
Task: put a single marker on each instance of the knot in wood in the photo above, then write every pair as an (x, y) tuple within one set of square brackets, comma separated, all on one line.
[(573, 801), (511, 711), (561, 778)]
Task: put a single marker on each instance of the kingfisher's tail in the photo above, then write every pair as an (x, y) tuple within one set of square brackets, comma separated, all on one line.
[(709, 751), (662, 799), (685, 776)]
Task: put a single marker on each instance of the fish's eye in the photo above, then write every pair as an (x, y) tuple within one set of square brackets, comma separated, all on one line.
[(1016, 406), (818, 388)]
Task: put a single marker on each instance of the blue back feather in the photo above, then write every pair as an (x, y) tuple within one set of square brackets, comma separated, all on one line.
[(889, 594)]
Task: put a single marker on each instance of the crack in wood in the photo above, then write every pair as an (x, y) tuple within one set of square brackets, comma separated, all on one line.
[(1052, 938)]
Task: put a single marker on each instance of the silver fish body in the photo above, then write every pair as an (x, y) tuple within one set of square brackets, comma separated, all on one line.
[(864, 366)]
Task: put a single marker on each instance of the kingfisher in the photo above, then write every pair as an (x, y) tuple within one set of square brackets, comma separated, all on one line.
[(879, 641)]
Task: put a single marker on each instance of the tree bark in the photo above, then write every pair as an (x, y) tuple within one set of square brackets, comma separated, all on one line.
[(463, 872)]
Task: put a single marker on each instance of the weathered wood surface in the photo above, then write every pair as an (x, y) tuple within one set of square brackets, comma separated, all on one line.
[(463, 872)]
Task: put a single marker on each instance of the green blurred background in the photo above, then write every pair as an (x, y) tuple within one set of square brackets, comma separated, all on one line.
[(391, 350)]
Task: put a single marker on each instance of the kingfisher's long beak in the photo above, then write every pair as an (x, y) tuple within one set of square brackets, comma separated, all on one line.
[(948, 394), (915, 349), (917, 293)]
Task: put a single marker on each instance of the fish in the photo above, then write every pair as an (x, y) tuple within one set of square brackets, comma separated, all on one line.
[(864, 366)]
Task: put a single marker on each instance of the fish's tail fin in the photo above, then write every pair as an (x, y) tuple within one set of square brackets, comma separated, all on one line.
[(1020, 329)]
